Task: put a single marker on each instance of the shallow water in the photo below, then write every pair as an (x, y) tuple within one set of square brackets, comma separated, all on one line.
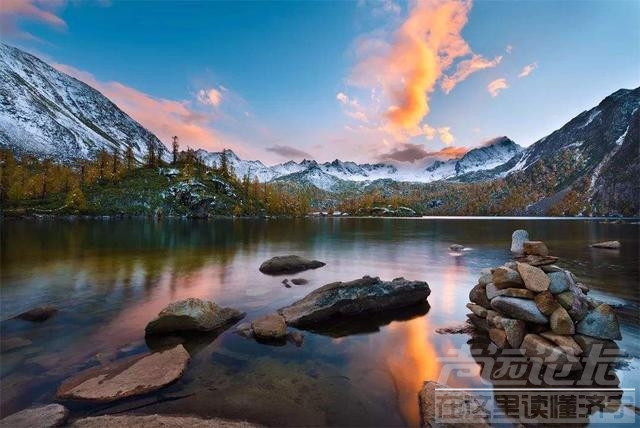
[(110, 277)]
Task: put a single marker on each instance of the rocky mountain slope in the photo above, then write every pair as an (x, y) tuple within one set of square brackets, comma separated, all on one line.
[(48, 113)]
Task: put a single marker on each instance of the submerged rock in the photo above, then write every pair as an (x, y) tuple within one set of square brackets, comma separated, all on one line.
[(522, 309), (289, 264), (192, 315), (471, 414), (354, 297), (39, 314), (610, 245), (518, 239), (127, 377), (157, 421), (464, 328), (51, 415)]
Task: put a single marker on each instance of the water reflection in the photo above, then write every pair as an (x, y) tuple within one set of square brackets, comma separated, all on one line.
[(109, 278)]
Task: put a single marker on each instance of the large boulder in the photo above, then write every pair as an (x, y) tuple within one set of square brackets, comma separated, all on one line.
[(601, 323), (192, 315), (534, 278), (518, 239), (469, 413), (354, 297), (157, 421), (51, 415), (39, 314), (288, 264), (128, 377), (522, 309)]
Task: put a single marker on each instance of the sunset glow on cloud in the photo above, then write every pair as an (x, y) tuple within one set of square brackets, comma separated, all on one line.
[(496, 86), (12, 11), (528, 69)]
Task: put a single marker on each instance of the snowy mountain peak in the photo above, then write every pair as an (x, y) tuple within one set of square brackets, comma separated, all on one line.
[(48, 113)]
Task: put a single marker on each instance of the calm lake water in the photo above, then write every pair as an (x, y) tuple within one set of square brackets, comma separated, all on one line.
[(109, 278)]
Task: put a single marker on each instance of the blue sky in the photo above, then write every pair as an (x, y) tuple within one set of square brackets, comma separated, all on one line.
[(275, 80)]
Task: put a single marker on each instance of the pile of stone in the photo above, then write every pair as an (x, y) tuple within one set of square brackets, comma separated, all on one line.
[(533, 305)]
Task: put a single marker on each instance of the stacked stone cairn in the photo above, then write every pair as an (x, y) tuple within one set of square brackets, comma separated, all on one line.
[(535, 306)]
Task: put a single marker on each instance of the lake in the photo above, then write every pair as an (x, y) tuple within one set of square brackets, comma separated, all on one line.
[(109, 278)]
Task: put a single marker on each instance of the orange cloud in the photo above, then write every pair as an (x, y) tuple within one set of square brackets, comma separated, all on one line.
[(13, 11), (212, 97), (161, 116), (528, 69), (465, 69), (496, 86)]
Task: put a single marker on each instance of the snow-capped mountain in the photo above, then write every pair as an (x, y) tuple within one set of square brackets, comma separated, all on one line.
[(491, 154), (336, 174), (49, 113)]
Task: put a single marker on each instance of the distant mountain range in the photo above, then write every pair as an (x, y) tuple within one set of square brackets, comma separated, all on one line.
[(595, 155)]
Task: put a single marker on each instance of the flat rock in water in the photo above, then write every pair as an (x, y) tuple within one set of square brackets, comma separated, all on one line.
[(456, 247), (471, 414), (288, 264), (127, 377), (522, 309), (192, 315), (365, 295), (51, 415), (299, 281), (518, 239), (601, 323), (534, 278), (610, 245), (269, 327), (464, 328), (157, 421), (38, 314)]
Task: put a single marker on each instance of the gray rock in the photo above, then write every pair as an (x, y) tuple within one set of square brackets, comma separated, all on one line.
[(192, 315), (478, 322), (610, 245), (51, 415), (522, 309), (478, 295), (365, 295), (601, 323), (456, 247), (559, 282), (128, 377), (517, 240), (464, 328), (575, 302), (492, 291), (288, 264), (472, 415), (477, 309), (299, 281), (39, 314), (485, 276), (515, 331)]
